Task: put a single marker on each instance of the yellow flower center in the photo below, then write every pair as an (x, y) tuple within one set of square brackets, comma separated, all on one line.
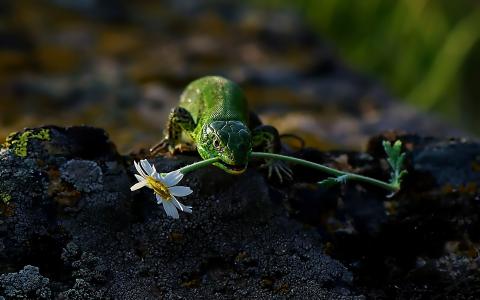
[(159, 188)]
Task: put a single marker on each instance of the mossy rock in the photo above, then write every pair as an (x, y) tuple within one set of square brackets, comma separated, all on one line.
[(18, 142)]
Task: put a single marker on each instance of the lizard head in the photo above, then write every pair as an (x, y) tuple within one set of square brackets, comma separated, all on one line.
[(228, 140)]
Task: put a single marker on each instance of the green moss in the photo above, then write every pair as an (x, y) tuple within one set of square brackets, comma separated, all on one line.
[(5, 198), (18, 142)]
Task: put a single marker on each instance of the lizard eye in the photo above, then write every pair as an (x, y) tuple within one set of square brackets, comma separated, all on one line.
[(216, 143)]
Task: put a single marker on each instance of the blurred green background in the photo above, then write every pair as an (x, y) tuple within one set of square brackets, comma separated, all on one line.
[(426, 51), (121, 65)]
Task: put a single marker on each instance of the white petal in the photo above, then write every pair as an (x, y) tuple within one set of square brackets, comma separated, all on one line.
[(177, 203), (158, 177), (173, 178), (159, 199), (138, 185), (180, 206), (139, 169), (170, 209), (146, 166), (139, 178), (180, 191)]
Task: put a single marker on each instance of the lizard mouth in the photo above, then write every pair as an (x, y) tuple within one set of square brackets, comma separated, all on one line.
[(234, 169)]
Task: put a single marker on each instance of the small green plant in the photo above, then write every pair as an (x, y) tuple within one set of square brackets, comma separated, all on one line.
[(395, 159), (18, 142)]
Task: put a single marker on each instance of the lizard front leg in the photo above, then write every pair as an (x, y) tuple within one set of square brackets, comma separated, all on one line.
[(265, 138), (179, 121)]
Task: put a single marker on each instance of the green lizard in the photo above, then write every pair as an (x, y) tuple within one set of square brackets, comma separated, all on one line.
[(213, 118)]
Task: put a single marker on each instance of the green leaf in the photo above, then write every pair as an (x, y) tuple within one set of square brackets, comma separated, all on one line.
[(332, 181)]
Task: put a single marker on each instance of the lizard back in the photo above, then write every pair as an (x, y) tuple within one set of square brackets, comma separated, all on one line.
[(214, 98)]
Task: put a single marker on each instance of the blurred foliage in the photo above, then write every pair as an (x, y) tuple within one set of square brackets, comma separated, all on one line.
[(422, 49), (121, 65)]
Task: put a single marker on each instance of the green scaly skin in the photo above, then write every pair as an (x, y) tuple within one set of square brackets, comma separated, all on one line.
[(213, 117)]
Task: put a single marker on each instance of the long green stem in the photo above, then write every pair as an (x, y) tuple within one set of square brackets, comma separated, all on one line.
[(348, 176), (198, 165)]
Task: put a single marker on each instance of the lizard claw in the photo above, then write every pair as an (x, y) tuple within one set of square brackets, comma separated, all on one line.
[(163, 146), (278, 167), (167, 146), (185, 148)]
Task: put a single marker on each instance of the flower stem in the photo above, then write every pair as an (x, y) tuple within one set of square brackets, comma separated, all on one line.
[(348, 176), (198, 165)]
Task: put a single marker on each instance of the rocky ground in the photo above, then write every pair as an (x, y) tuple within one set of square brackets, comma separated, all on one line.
[(71, 229)]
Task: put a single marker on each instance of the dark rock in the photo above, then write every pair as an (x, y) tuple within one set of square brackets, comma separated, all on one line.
[(71, 214), (84, 175), (415, 244), (27, 283), (112, 243), (81, 290)]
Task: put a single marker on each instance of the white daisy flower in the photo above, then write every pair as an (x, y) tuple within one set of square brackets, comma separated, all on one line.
[(164, 187)]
